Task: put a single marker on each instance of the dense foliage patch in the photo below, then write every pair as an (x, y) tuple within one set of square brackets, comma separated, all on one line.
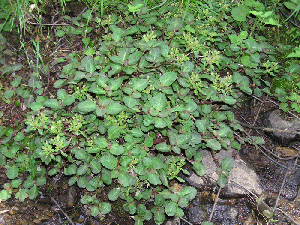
[(140, 102)]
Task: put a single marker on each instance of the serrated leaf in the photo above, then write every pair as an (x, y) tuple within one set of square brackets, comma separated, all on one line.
[(86, 106), (116, 149), (140, 84), (163, 147), (114, 194), (159, 101), (124, 179), (19, 136), (168, 78), (114, 108), (105, 207), (199, 168), (130, 102), (201, 125), (16, 81), (114, 132), (35, 106), (227, 163), (12, 172), (8, 94), (170, 208), (4, 195), (136, 132), (153, 178), (115, 84), (109, 161), (222, 180), (188, 192), (213, 144), (51, 103), (22, 194), (95, 211), (33, 192)]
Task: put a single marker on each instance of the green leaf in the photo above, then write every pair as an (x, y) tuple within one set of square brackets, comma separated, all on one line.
[(114, 108), (170, 208), (213, 144), (160, 122), (154, 55), (130, 102), (12, 172), (159, 101), (114, 194), (95, 211), (8, 94), (109, 161), (19, 136), (222, 180), (136, 132), (140, 84), (199, 168), (22, 194), (72, 169), (168, 78), (134, 58), (175, 24), (86, 106), (114, 132), (124, 179), (80, 154), (227, 163), (258, 140), (116, 149), (228, 99), (4, 195), (201, 125), (59, 83), (82, 170), (35, 106), (101, 142), (239, 13), (163, 147), (115, 84), (117, 33), (15, 83), (33, 192), (51, 103), (41, 181), (153, 178), (188, 192), (105, 207)]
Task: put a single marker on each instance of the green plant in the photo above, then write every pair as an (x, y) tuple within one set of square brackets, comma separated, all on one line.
[(138, 104)]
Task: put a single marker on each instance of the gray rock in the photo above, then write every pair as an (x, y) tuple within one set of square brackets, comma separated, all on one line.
[(174, 221), (197, 215), (211, 168), (224, 214), (273, 119), (241, 178)]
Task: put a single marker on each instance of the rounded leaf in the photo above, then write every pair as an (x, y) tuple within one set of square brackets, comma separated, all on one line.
[(86, 106)]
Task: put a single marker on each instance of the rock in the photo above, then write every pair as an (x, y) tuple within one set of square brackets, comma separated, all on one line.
[(241, 176), (174, 221), (72, 195), (273, 119), (211, 168), (223, 214), (197, 215)]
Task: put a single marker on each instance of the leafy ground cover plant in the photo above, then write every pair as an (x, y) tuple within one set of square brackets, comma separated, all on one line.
[(139, 103)]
